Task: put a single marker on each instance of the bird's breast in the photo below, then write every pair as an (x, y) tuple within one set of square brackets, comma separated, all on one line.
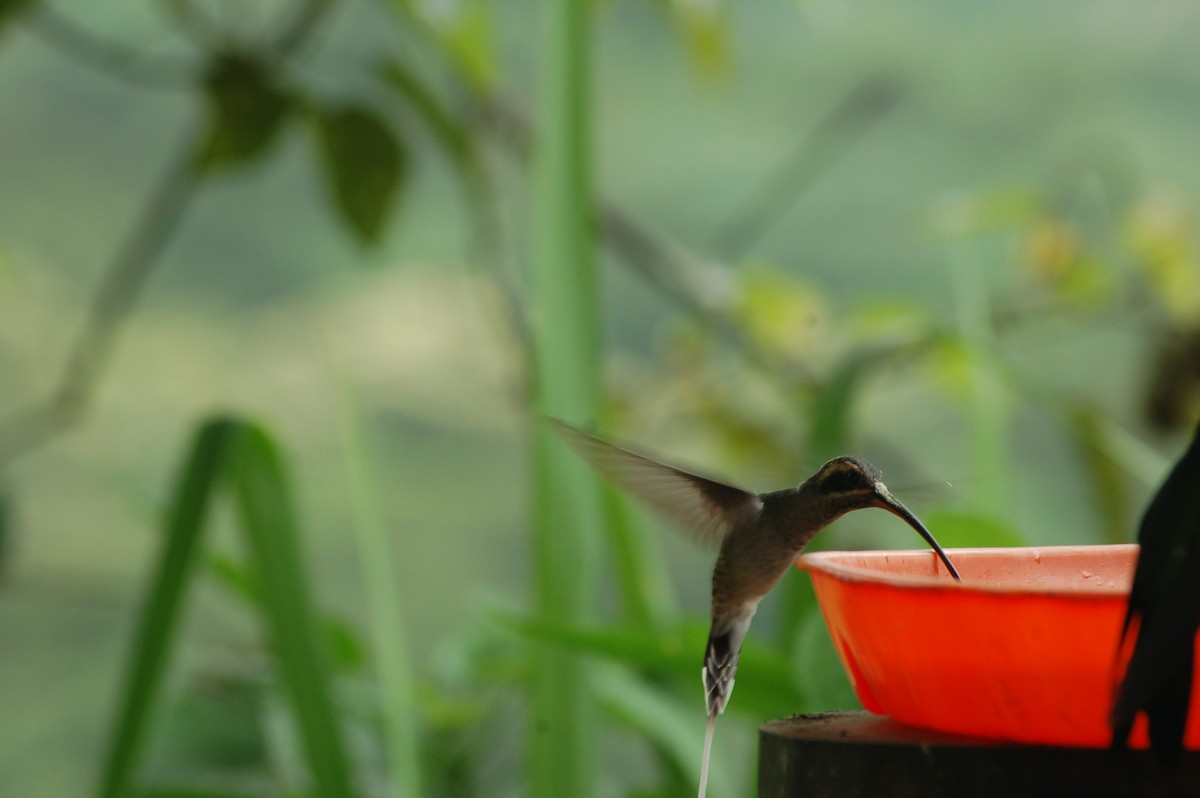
[(749, 565)]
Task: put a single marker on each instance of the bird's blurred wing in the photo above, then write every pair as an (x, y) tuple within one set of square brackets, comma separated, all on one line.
[(707, 509)]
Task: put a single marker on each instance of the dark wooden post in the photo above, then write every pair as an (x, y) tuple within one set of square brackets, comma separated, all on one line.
[(851, 754)]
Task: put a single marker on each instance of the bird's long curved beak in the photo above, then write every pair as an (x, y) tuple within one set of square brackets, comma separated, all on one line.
[(890, 503)]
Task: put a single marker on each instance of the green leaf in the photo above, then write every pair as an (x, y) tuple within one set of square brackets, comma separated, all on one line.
[(471, 42), (11, 9), (160, 608), (264, 505), (464, 32), (781, 314), (766, 683), (364, 164), (242, 457), (247, 109)]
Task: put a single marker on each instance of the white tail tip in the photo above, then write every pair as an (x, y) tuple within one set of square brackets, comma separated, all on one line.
[(708, 736)]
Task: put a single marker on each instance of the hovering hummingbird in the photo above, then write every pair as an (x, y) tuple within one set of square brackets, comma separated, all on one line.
[(758, 535), (1165, 602)]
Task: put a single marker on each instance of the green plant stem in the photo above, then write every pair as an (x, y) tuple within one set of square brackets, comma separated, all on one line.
[(398, 706), (566, 344)]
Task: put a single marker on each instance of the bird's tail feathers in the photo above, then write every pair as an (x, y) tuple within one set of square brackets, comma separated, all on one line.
[(721, 661)]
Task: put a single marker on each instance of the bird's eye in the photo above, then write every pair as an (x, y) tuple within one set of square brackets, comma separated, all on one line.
[(842, 481)]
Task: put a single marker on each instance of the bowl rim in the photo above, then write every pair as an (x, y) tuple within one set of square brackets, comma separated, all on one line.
[(827, 563)]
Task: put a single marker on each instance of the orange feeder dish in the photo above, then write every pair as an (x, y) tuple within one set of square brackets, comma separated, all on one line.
[(1023, 650)]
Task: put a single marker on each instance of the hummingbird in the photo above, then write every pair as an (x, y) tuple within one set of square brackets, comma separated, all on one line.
[(1164, 601), (758, 536)]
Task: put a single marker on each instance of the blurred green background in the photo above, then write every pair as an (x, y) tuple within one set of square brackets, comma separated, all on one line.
[(955, 238)]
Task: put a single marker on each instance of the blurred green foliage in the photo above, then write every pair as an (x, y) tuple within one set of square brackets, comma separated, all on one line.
[(959, 240)]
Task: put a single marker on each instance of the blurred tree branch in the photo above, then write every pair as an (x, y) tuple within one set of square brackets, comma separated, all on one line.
[(115, 297), (699, 286), (107, 57), (305, 20), (841, 127), (123, 281)]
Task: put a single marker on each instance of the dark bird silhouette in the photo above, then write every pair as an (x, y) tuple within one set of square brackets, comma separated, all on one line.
[(758, 536), (1164, 613)]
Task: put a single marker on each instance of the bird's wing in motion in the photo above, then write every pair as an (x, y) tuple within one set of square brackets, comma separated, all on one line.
[(707, 509)]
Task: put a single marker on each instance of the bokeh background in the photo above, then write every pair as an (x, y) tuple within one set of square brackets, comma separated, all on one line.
[(958, 239)]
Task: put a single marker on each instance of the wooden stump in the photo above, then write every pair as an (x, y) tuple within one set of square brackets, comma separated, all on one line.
[(848, 754)]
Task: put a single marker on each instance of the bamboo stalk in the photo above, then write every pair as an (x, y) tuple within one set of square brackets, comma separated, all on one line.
[(566, 354)]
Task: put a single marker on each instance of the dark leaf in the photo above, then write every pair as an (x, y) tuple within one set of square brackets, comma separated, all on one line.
[(10, 9), (247, 109), (364, 163)]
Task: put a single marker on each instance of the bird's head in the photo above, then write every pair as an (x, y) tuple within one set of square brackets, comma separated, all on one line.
[(848, 483)]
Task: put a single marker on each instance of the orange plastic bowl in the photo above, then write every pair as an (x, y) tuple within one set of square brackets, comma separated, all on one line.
[(1022, 650)]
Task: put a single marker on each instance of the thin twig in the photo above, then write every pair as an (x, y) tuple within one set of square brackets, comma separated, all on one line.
[(114, 299), (108, 57), (195, 24), (301, 26), (125, 278), (698, 286), (811, 156)]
